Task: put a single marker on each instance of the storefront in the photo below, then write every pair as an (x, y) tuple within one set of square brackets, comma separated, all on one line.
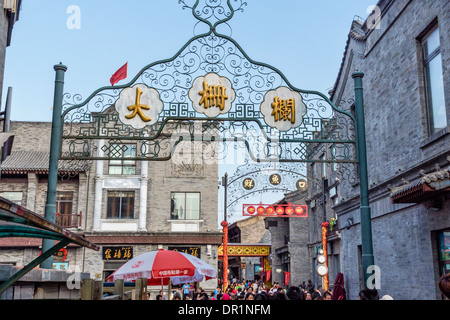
[(443, 240)]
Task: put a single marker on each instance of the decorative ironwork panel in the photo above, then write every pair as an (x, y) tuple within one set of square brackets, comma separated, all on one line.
[(210, 80)]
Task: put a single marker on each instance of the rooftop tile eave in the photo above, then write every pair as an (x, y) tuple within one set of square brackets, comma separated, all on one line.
[(425, 181), (20, 162)]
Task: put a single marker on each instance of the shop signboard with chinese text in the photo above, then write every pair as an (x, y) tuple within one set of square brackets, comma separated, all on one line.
[(117, 253)]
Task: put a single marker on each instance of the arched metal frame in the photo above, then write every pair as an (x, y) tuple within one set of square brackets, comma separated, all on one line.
[(95, 118)]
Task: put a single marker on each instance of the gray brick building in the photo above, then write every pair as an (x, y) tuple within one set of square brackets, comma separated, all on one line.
[(290, 239), (9, 14), (405, 56), (126, 207)]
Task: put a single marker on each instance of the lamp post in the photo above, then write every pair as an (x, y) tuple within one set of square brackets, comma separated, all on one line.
[(366, 226), (55, 150)]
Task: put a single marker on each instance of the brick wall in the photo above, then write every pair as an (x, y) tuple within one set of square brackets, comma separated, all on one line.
[(398, 147)]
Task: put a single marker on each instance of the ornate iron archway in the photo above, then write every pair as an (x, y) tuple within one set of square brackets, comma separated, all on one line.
[(260, 108), (209, 93)]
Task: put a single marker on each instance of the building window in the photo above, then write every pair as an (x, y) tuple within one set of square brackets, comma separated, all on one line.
[(122, 166), (64, 202), (185, 206), (14, 196), (120, 205), (434, 77)]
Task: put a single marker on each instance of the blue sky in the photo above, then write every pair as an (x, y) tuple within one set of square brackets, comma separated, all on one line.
[(303, 39)]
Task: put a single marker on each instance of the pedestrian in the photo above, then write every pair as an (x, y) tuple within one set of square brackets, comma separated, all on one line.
[(308, 296), (303, 286), (368, 294), (198, 294), (279, 296), (327, 295), (176, 296), (162, 294), (216, 292), (316, 294), (294, 293), (249, 296), (226, 296), (444, 285), (255, 286), (186, 290), (310, 287)]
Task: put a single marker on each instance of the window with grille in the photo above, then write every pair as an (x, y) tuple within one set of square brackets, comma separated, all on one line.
[(122, 166)]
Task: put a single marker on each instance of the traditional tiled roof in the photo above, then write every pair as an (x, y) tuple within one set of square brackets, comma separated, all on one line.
[(423, 188), (22, 162)]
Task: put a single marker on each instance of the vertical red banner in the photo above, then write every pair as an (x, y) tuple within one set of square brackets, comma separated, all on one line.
[(287, 276)]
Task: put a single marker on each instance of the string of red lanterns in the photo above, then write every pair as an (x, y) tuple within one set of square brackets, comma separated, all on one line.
[(270, 210)]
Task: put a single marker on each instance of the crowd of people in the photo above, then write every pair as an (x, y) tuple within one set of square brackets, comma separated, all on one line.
[(248, 290), (257, 290)]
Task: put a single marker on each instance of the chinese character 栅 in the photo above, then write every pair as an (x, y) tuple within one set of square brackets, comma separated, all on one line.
[(213, 96)]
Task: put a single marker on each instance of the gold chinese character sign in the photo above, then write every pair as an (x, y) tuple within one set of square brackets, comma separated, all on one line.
[(139, 106), (275, 179), (248, 183), (283, 109), (212, 95)]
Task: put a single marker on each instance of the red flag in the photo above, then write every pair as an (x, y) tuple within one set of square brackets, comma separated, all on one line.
[(120, 74)]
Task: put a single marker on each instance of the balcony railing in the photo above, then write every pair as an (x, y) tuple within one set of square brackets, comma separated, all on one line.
[(69, 220)]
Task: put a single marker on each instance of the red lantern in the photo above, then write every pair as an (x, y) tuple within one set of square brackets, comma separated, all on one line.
[(270, 210), (289, 210), (299, 211), (280, 210), (251, 210), (260, 210)]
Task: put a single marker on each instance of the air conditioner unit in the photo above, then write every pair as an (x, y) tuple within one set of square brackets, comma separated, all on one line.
[(10, 5)]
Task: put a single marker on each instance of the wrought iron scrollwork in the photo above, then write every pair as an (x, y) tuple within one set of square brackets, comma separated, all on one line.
[(211, 52)]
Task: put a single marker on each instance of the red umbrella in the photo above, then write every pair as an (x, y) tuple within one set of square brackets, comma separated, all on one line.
[(163, 265)]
